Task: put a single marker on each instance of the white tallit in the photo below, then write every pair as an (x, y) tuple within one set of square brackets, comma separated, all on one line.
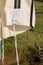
[(24, 17)]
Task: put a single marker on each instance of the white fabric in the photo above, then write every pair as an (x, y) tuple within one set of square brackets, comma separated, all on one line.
[(18, 17), (23, 25), (21, 15), (33, 20)]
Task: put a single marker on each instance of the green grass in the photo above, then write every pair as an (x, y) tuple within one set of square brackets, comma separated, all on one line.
[(28, 42), (39, 16)]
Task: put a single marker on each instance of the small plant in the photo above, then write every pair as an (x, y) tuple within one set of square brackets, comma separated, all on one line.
[(32, 55)]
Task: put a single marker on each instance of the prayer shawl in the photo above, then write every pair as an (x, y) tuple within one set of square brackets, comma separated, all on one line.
[(22, 13)]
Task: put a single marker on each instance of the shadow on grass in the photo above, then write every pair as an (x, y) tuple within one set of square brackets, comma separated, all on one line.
[(39, 12), (39, 0)]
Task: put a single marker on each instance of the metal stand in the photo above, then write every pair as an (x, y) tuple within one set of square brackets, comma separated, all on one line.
[(15, 38), (2, 40)]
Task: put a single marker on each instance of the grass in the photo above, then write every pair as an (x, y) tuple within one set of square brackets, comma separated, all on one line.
[(28, 42)]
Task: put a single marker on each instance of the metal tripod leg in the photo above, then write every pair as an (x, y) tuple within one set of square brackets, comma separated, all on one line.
[(2, 40), (15, 38)]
